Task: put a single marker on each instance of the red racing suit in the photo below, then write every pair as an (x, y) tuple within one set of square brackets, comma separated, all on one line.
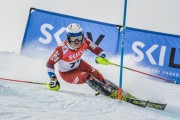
[(71, 67)]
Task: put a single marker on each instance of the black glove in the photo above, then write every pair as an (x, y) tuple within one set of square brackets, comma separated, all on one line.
[(54, 84)]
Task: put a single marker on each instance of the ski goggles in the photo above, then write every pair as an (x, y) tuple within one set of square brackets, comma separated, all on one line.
[(77, 38)]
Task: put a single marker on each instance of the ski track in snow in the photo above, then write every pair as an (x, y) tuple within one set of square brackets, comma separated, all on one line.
[(22, 101)]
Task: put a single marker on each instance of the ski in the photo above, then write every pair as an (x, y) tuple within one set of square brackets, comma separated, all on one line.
[(143, 103), (127, 97), (158, 106), (134, 101)]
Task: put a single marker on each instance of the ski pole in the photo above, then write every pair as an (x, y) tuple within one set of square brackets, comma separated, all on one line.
[(105, 61), (23, 81)]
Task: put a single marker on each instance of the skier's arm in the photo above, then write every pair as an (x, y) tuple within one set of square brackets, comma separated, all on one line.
[(53, 59), (95, 49)]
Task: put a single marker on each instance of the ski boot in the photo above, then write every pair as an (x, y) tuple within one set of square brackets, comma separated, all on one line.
[(114, 94)]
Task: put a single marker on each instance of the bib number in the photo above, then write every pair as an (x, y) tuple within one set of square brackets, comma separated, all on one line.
[(74, 63)]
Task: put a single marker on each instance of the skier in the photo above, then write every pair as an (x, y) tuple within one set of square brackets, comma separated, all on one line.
[(75, 70)]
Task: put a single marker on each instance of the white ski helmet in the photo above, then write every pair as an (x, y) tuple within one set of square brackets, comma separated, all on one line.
[(74, 32)]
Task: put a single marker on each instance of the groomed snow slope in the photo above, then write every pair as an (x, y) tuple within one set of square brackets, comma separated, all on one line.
[(22, 101)]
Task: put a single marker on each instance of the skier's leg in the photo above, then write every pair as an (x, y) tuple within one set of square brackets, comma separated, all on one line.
[(113, 87), (110, 90), (98, 86), (74, 76), (85, 67), (126, 95), (111, 84)]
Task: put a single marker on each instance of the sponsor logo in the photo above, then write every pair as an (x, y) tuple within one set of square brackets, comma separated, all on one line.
[(76, 55), (48, 37), (47, 29), (162, 54), (55, 57)]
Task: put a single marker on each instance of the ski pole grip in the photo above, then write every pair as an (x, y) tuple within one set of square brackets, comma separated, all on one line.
[(102, 61)]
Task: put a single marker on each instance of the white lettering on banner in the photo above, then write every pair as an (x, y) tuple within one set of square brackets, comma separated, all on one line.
[(162, 55), (156, 71), (79, 53), (149, 52), (58, 33), (48, 35), (169, 73), (139, 52), (149, 55)]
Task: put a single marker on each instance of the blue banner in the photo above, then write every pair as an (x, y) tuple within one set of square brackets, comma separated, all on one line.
[(157, 51), (45, 30)]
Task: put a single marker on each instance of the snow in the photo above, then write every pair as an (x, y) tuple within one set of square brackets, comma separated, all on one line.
[(23, 101)]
